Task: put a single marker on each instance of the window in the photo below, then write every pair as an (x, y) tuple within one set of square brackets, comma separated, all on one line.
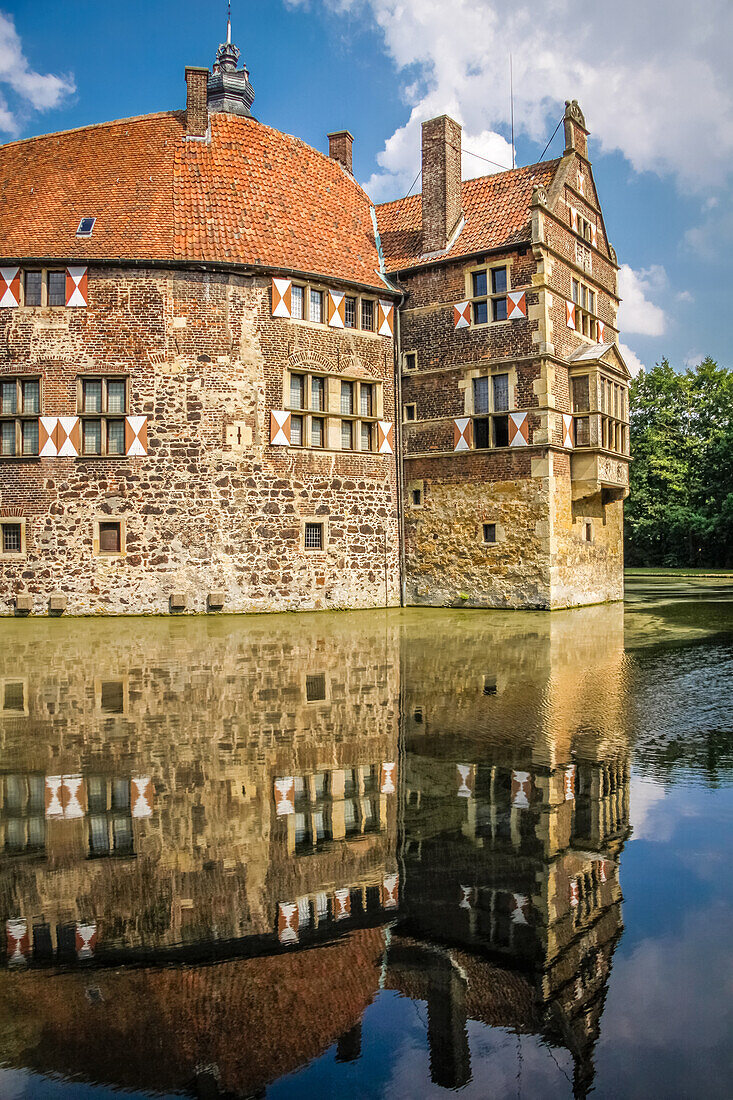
[(313, 539), (296, 431), (367, 314), (14, 696), (112, 696), (297, 302), (410, 360), (317, 431), (315, 689), (349, 312), (317, 394), (582, 431), (309, 394), (490, 685), (110, 537), (417, 497), (585, 308), (410, 412), (489, 532), (367, 436), (20, 407), (589, 532), (316, 306), (100, 401), (490, 405), (489, 288), (347, 397), (581, 393), (614, 415), (86, 225), (57, 288), (33, 288), (12, 539), (297, 391)]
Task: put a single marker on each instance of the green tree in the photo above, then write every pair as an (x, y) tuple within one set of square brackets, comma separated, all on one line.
[(680, 510)]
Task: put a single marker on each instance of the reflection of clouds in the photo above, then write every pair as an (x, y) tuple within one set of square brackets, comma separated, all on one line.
[(669, 1014), (502, 1064), (646, 821)]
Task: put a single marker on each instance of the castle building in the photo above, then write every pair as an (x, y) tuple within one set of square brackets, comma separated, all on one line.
[(229, 382)]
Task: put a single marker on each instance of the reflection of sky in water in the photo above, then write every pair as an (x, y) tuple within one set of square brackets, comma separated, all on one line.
[(667, 1022)]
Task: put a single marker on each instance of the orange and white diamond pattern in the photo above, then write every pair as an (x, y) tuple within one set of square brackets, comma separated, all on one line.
[(567, 430), (142, 796), (76, 286), (86, 940), (518, 429), (18, 941), (387, 779), (386, 319), (389, 891), (284, 791), (570, 314), (521, 789), (336, 309), (385, 437), (461, 315), (64, 796), (10, 286), (466, 780), (516, 302), (342, 904), (462, 433), (281, 297), (279, 428), (136, 436)]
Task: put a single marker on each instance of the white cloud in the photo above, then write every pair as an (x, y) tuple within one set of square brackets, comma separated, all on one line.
[(694, 359), (632, 360), (638, 314), (632, 67), (30, 90)]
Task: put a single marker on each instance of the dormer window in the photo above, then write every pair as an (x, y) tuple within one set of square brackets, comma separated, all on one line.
[(86, 225)]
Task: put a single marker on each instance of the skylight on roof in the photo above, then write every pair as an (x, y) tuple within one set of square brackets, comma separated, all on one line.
[(86, 225)]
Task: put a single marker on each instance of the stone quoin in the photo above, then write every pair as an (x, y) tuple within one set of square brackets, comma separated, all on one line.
[(229, 382)]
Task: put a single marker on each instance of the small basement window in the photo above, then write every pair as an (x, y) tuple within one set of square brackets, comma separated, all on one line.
[(417, 496), (489, 532), (410, 360), (86, 225), (313, 539), (110, 536), (589, 532), (315, 687), (12, 539), (410, 412)]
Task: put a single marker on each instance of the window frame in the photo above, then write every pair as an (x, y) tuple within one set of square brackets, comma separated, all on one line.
[(312, 288), (586, 320), (495, 419), (13, 555), (607, 415), (19, 417), (45, 272), (491, 297), (96, 539), (330, 413), (314, 521), (104, 416)]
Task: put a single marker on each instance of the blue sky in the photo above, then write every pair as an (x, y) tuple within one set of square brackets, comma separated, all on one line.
[(656, 88)]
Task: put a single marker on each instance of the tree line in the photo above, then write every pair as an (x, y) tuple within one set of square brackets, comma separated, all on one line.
[(680, 509)]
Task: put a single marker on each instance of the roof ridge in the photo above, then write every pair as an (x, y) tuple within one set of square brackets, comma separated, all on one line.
[(479, 179), (93, 126)]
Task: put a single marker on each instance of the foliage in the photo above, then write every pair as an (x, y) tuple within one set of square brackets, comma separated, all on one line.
[(680, 511)]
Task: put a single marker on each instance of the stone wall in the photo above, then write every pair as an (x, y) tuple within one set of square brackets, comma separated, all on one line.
[(213, 507)]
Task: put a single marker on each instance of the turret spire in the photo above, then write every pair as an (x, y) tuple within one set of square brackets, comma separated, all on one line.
[(229, 88)]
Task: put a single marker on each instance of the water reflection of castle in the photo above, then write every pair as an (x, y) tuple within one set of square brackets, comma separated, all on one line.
[(244, 794)]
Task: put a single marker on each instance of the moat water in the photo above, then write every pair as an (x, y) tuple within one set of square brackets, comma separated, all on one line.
[(387, 854)]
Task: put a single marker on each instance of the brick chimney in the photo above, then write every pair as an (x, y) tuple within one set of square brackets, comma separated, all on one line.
[(576, 135), (197, 112), (340, 146), (441, 181)]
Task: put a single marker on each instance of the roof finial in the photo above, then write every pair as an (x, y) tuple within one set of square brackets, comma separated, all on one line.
[(229, 23)]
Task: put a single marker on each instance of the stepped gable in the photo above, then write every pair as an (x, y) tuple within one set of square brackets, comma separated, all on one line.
[(496, 211), (245, 194)]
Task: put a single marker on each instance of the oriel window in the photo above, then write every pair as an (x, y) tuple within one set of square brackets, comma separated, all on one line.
[(20, 407)]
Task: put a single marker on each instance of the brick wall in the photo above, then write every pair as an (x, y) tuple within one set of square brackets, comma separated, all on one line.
[(204, 357)]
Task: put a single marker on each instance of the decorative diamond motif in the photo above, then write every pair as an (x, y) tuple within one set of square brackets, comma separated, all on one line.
[(76, 286), (390, 891), (462, 434), (47, 426), (567, 430), (516, 301), (281, 297), (518, 429), (341, 904), (279, 428), (462, 315), (67, 437), (287, 923), (385, 437), (142, 796), (386, 319), (86, 940), (569, 783), (336, 309), (466, 780), (10, 286), (387, 779), (136, 435), (285, 796), (521, 790), (570, 314)]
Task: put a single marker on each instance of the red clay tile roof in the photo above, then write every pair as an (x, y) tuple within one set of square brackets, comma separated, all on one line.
[(496, 209), (251, 195)]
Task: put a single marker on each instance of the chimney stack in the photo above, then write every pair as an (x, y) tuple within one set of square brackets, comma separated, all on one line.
[(576, 135), (340, 146), (197, 112), (441, 182)]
